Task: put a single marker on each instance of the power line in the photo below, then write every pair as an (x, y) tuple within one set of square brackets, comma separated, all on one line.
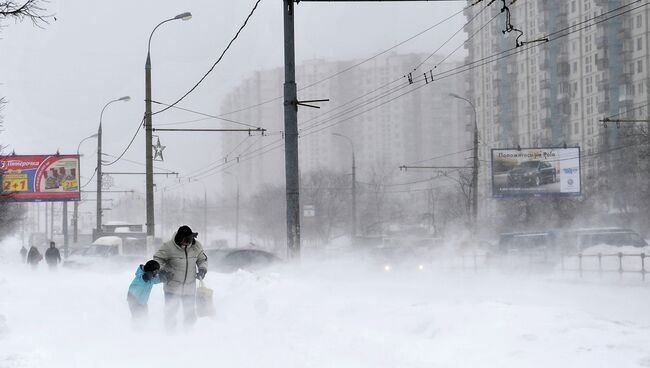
[(127, 147), (445, 74), (351, 67), (207, 115), (213, 65)]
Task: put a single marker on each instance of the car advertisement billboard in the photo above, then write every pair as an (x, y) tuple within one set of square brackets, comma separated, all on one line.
[(535, 172), (40, 177)]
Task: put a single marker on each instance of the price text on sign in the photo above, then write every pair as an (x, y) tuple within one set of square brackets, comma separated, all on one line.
[(14, 183), (69, 184)]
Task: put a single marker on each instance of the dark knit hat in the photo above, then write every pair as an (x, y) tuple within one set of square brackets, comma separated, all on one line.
[(151, 266), (184, 232)]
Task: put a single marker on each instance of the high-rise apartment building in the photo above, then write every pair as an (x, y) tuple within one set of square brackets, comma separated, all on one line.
[(547, 94), (387, 131)]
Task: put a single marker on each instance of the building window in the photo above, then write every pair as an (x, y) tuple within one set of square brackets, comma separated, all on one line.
[(639, 66), (639, 20), (639, 43)]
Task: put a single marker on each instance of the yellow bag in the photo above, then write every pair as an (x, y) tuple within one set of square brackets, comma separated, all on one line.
[(204, 301)]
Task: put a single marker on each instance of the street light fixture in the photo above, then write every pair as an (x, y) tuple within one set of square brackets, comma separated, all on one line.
[(98, 229), (475, 160), (85, 139), (354, 187), (148, 127)]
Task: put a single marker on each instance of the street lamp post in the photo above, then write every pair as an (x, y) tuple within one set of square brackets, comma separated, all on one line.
[(354, 187), (148, 127), (475, 160), (98, 230), (236, 210), (75, 216), (205, 211)]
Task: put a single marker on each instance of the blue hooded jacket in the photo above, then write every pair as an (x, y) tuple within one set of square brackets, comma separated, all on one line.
[(141, 289)]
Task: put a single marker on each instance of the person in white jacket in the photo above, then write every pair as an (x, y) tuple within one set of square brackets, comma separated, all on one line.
[(184, 260)]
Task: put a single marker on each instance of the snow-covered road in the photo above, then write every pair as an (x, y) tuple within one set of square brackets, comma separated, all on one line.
[(327, 314)]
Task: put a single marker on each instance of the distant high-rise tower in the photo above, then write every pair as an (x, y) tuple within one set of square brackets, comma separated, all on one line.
[(554, 93), (387, 130)]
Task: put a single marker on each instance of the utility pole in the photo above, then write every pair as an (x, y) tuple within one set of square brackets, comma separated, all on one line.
[(292, 174), (47, 222), (291, 103), (475, 164), (148, 146), (237, 218), (51, 220), (75, 223), (98, 214), (65, 229), (205, 215)]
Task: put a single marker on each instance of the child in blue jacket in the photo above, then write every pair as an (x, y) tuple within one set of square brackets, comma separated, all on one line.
[(146, 276)]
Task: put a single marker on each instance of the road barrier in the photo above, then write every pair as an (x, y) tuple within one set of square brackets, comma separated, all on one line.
[(620, 264)]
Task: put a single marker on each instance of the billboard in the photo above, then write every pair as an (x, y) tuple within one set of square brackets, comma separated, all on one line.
[(535, 172), (40, 177)]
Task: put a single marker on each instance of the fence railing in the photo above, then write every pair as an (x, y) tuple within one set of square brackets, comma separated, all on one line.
[(601, 263), (621, 263)]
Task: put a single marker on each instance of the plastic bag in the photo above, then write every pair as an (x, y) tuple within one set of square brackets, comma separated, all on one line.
[(204, 301)]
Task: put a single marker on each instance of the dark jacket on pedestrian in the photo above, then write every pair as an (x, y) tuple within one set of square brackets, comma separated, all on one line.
[(52, 255), (34, 256)]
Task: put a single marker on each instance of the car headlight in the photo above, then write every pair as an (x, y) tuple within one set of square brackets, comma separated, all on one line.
[(421, 267), (387, 268), (528, 174)]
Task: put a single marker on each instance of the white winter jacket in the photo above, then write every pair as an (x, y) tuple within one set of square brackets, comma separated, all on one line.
[(183, 263)]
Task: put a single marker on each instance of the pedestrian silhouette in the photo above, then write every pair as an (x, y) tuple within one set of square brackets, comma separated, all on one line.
[(52, 256)]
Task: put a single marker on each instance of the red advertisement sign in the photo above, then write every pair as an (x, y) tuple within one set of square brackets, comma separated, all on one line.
[(40, 177)]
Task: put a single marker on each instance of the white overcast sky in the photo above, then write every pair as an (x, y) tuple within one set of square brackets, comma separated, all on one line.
[(57, 79)]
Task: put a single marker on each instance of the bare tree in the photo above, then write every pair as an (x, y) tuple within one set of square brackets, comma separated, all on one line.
[(11, 213), (329, 193), (31, 10)]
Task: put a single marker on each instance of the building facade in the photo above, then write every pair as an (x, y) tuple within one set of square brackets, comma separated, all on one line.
[(548, 94), (386, 129)]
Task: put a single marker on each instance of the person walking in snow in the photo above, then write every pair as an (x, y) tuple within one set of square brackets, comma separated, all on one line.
[(34, 256), (23, 253), (184, 258), (146, 276), (52, 256)]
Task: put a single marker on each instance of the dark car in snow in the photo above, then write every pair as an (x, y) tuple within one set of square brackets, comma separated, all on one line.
[(228, 260), (533, 173)]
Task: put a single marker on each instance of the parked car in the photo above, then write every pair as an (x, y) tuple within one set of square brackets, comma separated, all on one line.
[(533, 173), (111, 249), (228, 260), (527, 242), (580, 239)]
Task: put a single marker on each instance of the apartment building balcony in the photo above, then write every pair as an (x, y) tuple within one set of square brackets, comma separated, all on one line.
[(626, 77), (564, 107), (544, 84), (563, 68), (602, 63), (545, 102), (601, 42), (602, 85), (603, 107), (624, 33), (625, 99), (627, 52)]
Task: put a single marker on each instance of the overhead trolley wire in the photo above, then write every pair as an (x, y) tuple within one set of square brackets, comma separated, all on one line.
[(223, 53)]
